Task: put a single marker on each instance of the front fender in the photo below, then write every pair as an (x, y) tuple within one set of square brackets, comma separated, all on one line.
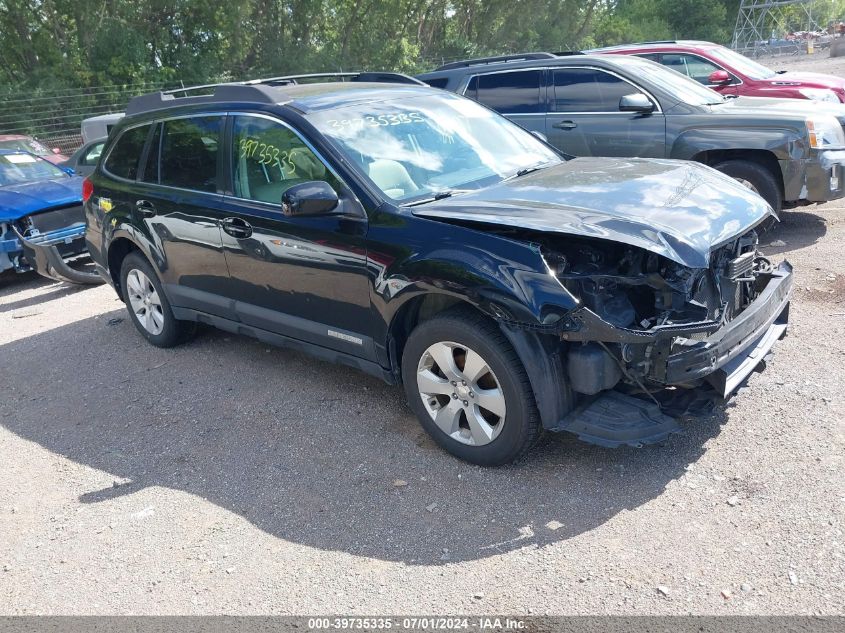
[(516, 289), (783, 143)]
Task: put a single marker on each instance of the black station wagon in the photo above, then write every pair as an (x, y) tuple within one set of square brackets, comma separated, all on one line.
[(419, 236)]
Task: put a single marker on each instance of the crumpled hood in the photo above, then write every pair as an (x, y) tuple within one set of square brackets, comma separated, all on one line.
[(16, 201), (677, 209)]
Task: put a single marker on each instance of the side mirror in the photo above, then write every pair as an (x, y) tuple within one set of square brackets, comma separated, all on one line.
[(309, 198), (718, 78), (56, 150), (68, 170), (636, 103), (540, 136)]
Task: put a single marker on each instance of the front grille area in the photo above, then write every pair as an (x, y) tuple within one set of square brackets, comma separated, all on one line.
[(54, 219)]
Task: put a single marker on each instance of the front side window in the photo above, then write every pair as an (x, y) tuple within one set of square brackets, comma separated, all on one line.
[(124, 157), (508, 93), (414, 148), (588, 90), (692, 66), (269, 158), (189, 151)]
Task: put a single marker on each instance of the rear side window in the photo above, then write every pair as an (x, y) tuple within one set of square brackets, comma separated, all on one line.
[(126, 154), (189, 150), (588, 90), (508, 93), (440, 82)]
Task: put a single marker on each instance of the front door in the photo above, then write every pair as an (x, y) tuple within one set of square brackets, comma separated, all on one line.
[(302, 277), (585, 120)]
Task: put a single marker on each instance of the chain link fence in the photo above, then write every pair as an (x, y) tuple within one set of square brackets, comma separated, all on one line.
[(54, 117)]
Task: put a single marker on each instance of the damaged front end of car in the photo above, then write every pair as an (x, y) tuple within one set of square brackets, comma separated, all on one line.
[(648, 326), (50, 241)]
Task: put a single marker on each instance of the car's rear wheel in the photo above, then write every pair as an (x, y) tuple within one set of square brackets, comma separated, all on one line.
[(148, 306), (756, 177), (469, 389)]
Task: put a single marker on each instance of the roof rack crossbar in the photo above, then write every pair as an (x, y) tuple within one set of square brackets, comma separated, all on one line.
[(494, 60), (374, 76)]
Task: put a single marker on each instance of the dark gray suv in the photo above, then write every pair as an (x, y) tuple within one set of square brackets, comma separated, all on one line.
[(591, 105)]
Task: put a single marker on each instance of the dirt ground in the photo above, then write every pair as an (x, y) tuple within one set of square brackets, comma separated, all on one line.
[(228, 477)]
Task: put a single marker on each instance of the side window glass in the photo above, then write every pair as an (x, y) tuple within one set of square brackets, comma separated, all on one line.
[(511, 93), (472, 89), (588, 90), (126, 154), (655, 57), (268, 158), (189, 153), (93, 154), (151, 166), (700, 69)]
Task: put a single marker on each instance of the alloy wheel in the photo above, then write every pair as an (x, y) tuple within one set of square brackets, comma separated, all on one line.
[(144, 301), (461, 393)]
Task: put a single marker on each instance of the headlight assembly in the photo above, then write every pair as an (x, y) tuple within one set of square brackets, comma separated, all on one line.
[(825, 132), (819, 94)]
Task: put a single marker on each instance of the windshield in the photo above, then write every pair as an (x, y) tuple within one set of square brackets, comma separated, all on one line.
[(25, 145), (20, 168), (415, 148), (676, 84), (741, 63)]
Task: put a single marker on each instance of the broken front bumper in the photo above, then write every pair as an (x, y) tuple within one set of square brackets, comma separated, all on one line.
[(724, 353), (46, 253), (729, 355)]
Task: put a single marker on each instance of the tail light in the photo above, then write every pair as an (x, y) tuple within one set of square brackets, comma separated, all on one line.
[(87, 189)]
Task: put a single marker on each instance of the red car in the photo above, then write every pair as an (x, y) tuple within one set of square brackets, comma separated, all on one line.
[(22, 143), (731, 73)]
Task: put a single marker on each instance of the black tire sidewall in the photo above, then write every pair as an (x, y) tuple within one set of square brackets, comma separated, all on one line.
[(171, 333), (521, 426), (762, 179)]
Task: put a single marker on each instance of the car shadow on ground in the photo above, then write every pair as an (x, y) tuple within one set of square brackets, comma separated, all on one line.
[(796, 229), (309, 452), (48, 289)]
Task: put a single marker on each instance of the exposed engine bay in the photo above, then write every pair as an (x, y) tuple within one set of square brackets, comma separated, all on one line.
[(632, 288)]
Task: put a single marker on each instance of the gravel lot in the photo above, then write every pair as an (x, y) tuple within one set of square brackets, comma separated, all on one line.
[(228, 477)]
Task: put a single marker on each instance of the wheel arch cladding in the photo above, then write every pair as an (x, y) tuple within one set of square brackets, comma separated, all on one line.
[(764, 158), (118, 250), (543, 357)]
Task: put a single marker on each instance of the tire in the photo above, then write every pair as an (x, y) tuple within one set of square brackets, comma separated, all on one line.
[(760, 179), (463, 336), (142, 289)]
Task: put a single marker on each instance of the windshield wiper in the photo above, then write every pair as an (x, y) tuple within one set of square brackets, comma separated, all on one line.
[(440, 195), (528, 170)]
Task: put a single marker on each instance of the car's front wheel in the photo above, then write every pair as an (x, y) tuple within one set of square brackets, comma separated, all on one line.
[(148, 306), (469, 389), (755, 177)]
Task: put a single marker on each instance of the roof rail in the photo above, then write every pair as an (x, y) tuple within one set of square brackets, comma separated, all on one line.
[(222, 92), (494, 60), (374, 76), (567, 53), (255, 90)]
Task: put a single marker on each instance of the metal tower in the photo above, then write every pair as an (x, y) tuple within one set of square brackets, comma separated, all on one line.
[(758, 19)]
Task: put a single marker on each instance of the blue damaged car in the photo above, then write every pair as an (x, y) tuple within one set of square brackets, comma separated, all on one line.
[(42, 226)]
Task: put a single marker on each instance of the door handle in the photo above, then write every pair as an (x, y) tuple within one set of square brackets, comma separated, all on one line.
[(565, 125), (236, 227), (145, 208)]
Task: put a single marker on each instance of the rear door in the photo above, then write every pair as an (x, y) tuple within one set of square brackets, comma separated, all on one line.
[(181, 205), (584, 117), (518, 94)]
